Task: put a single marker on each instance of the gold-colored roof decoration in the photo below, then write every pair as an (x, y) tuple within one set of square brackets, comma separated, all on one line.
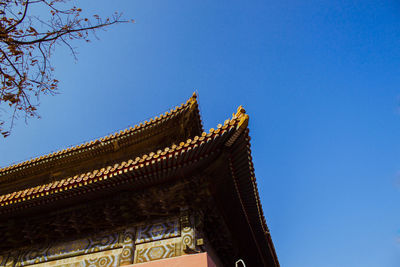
[(84, 179), (225, 149), (190, 104)]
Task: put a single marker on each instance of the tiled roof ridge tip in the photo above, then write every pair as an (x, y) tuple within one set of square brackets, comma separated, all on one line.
[(239, 119), (190, 103)]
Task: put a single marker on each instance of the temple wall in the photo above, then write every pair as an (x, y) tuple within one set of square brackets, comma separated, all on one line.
[(196, 260), (138, 244)]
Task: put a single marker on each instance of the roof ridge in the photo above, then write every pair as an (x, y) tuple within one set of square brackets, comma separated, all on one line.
[(190, 103), (42, 190)]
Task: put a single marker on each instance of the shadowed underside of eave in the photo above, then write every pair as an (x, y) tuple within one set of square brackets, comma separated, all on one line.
[(172, 127), (226, 149)]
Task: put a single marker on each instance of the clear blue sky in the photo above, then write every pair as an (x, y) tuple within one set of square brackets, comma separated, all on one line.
[(319, 79)]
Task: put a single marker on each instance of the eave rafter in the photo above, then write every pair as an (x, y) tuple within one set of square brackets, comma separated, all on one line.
[(154, 163), (191, 105), (154, 168)]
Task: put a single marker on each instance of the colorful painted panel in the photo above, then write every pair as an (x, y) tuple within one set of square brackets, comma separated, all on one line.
[(157, 231), (188, 236), (158, 250), (73, 248), (122, 239), (128, 249), (109, 258), (154, 241), (105, 261)]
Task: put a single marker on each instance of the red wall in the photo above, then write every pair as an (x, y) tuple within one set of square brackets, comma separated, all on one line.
[(195, 260)]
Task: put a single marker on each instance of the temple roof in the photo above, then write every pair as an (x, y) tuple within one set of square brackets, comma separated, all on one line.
[(146, 163), (173, 126), (222, 154)]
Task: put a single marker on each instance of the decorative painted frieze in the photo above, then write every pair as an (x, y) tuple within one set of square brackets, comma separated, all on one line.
[(157, 250), (166, 240), (108, 258), (157, 231), (85, 246), (128, 248), (142, 243)]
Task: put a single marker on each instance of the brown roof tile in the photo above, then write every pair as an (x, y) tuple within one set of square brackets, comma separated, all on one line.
[(148, 159), (192, 101), (173, 155)]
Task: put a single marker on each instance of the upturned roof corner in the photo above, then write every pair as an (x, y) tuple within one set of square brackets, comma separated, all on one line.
[(186, 115), (165, 152)]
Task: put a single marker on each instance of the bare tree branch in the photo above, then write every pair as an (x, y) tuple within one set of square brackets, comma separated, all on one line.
[(26, 44)]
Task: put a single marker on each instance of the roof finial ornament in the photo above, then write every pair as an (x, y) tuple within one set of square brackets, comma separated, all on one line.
[(242, 117), (242, 120), (193, 99), (239, 113)]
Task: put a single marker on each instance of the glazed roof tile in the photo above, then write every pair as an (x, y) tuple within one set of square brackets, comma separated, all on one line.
[(192, 101), (238, 123), (175, 155)]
